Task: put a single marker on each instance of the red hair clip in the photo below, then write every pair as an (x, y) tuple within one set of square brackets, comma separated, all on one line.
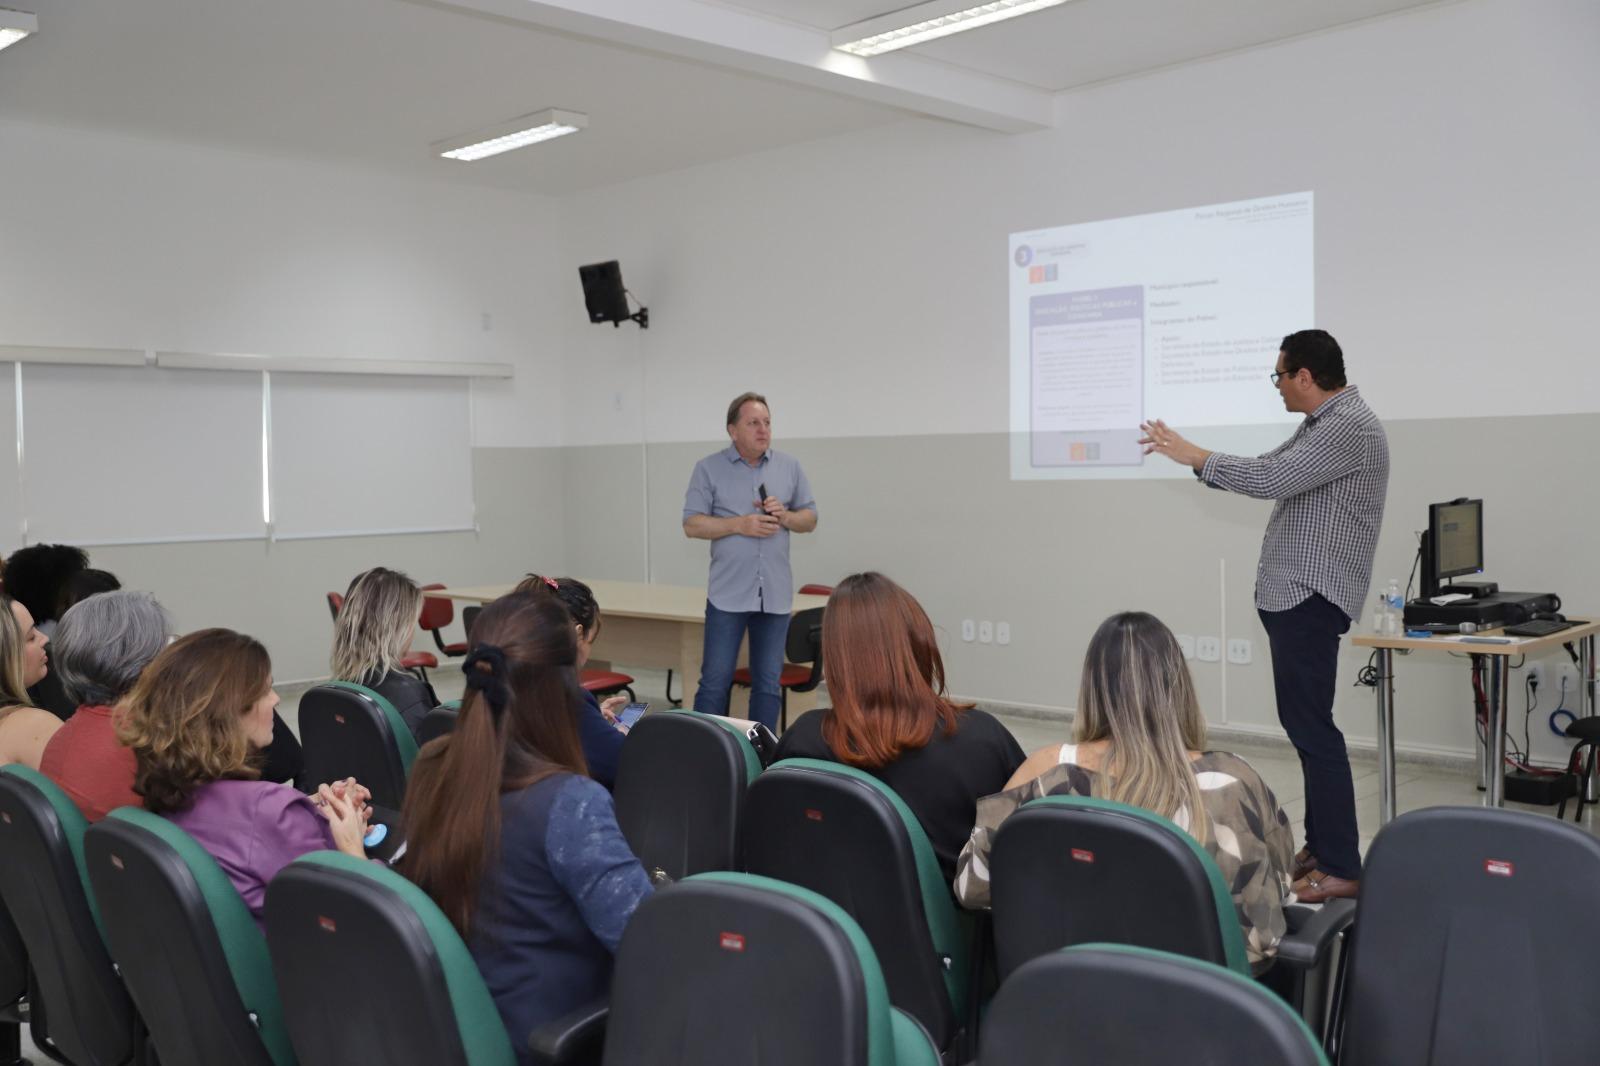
[(552, 583)]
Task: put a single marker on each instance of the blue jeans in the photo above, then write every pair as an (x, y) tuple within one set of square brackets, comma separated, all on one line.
[(724, 632)]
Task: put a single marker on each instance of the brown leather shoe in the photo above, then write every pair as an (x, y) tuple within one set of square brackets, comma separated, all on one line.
[(1318, 887), (1304, 863)]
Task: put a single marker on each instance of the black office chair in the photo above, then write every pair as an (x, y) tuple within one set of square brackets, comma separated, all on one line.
[(1068, 870), (349, 730), (802, 645), (91, 1018), (193, 958), (730, 968), (1475, 945), (1583, 762), (845, 835), (680, 790), (1110, 1003), (370, 970), (13, 990)]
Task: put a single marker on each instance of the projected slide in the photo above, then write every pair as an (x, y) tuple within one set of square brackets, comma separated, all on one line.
[(1176, 316)]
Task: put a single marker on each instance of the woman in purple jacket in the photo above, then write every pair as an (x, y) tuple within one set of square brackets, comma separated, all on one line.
[(197, 721)]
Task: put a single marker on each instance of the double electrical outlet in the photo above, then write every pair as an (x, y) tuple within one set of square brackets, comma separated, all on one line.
[(1209, 649), (985, 632), (1550, 681)]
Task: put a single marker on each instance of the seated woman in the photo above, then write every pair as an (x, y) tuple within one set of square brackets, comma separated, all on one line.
[(373, 633), (598, 729), (506, 833), (891, 718), (196, 720), (25, 730), (38, 577), (102, 646), (1141, 740)]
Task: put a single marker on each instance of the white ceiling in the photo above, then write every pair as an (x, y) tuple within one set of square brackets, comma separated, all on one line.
[(1085, 41), (667, 84)]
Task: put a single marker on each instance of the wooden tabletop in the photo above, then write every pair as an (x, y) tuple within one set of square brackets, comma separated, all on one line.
[(1464, 644), (627, 599)]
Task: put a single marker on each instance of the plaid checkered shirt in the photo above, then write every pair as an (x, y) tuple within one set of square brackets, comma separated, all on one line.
[(1330, 480)]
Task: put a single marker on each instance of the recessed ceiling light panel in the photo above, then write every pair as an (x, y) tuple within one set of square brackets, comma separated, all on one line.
[(928, 22), (517, 133), (15, 25)]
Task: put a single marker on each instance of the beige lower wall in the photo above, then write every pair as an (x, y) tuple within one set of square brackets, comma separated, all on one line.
[(941, 515)]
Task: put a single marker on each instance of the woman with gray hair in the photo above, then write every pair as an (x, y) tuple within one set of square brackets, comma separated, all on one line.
[(372, 634), (101, 647)]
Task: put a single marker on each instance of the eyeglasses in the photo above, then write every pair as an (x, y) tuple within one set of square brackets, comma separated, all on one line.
[(1278, 375)]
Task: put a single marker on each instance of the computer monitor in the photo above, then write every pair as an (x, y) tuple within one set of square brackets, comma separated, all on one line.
[(1453, 545)]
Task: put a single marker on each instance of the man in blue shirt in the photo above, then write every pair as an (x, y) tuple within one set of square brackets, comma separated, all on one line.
[(746, 500)]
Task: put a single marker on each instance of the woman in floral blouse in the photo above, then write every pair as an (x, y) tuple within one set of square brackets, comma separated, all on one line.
[(1141, 740)]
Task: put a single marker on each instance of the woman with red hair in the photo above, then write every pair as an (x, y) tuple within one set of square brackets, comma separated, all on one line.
[(891, 717)]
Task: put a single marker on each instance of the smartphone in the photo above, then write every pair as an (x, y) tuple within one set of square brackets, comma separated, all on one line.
[(762, 489), (631, 714)]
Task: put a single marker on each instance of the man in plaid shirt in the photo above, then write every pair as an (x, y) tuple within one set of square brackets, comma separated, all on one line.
[(1330, 479)]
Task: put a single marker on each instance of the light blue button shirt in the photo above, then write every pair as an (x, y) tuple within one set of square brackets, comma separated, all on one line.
[(748, 573)]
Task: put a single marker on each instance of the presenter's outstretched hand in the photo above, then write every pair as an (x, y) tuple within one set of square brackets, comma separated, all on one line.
[(757, 525), (1159, 438)]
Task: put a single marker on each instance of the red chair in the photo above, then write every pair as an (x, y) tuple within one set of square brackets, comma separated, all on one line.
[(803, 645), (438, 612), (604, 683), (742, 677)]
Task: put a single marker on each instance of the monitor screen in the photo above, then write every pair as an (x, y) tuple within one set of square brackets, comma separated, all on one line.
[(1457, 532)]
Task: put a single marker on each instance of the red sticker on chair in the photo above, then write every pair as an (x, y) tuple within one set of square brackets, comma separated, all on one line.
[(339, 718), (1498, 867), (1082, 855), (813, 814), (116, 861), (731, 942), (328, 925)]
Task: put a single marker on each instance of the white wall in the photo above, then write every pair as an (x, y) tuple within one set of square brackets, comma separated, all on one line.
[(860, 282), (113, 242)]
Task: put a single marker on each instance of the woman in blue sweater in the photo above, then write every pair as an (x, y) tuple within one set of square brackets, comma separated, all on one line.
[(509, 836), (598, 729)]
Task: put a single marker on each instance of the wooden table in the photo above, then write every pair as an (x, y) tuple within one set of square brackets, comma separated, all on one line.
[(1492, 754), (641, 624)]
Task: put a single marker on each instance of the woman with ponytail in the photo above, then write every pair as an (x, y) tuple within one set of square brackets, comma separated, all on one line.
[(507, 833)]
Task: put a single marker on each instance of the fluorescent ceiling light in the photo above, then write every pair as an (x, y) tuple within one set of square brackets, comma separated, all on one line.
[(518, 133), (927, 22), (15, 25)]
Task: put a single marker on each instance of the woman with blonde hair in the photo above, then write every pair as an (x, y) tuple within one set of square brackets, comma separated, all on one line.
[(373, 633), (892, 718), (1141, 740), (24, 728), (197, 720)]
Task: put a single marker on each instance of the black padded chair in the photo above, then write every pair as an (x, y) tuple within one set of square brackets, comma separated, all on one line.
[(680, 789), (802, 666), (1069, 870), (730, 968), (13, 990), (193, 958), (844, 834), (1110, 1003), (370, 970), (439, 722), (91, 1018), (1476, 943), (349, 730)]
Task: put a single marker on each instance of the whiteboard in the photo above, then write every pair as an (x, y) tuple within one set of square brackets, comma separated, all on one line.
[(130, 455), (355, 454)]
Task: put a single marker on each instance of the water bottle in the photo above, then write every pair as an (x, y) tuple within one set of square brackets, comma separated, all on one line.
[(1380, 615), (1395, 612)]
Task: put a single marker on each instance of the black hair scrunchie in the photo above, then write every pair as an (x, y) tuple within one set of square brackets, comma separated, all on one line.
[(490, 682)]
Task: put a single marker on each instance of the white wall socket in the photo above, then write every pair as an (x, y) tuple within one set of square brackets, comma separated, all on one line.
[(969, 630), (1239, 651), (1186, 642), (985, 632), (1536, 675), (1208, 649), (1002, 632)]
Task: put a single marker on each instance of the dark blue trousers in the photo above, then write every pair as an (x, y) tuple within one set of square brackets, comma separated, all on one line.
[(1305, 662)]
